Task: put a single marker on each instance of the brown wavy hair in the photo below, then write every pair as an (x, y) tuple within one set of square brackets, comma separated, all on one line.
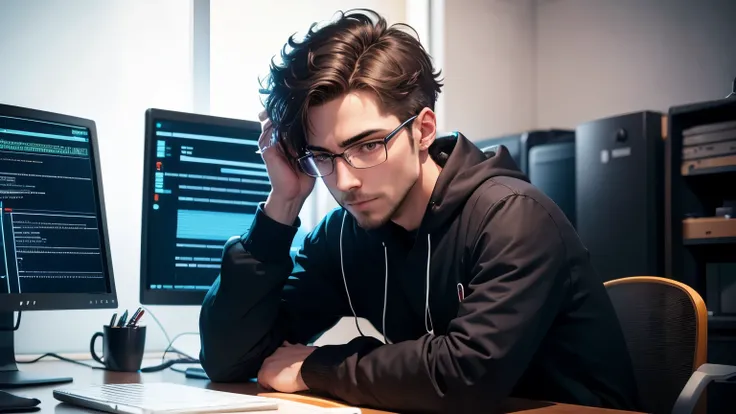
[(355, 51)]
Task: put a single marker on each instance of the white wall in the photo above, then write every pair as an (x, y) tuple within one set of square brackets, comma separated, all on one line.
[(513, 65), (108, 61), (489, 63), (246, 35), (600, 58)]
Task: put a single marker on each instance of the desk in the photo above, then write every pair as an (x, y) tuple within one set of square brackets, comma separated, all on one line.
[(83, 376)]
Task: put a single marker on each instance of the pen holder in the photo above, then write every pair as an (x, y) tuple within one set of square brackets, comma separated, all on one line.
[(122, 347)]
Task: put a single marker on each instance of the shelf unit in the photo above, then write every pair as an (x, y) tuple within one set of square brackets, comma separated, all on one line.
[(710, 241), (697, 193), (714, 170)]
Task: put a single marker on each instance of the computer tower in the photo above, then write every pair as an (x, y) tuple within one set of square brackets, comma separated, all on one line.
[(619, 193), (547, 157)]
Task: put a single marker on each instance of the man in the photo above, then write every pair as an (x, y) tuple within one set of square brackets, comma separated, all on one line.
[(477, 282)]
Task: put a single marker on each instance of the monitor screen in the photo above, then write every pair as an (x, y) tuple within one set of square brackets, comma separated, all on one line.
[(552, 170), (202, 183), (511, 142), (54, 252)]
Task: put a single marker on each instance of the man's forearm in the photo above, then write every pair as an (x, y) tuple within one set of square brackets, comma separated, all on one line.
[(235, 341), (238, 320), (282, 210), (368, 373)]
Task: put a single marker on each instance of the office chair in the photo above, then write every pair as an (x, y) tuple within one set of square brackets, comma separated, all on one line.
[(665, 324)]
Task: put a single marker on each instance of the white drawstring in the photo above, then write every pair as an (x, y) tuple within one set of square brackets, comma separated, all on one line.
[(385, 293), (429, 327), (427, 312), (344, 280)]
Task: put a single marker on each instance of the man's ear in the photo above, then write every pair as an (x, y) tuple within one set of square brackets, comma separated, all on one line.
[(426, 128)]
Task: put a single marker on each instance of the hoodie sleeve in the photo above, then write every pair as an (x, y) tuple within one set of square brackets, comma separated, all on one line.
[(510, 303), (261, 299)]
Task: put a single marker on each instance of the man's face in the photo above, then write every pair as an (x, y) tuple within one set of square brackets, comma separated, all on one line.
[(371, 195)]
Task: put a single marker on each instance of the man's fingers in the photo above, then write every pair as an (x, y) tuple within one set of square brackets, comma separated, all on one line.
[(262, 378), (266, 139), (266, 133)]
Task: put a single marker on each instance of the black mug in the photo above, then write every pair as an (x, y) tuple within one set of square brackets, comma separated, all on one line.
[(122, 347)]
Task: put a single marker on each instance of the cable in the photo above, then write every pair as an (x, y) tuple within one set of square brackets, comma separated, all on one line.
[(57, 356), (174, 350), (168, 364), (155, 319), (188, 359), (170, 342)]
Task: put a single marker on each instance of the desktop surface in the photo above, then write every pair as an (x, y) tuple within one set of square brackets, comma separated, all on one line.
[(86, 376)]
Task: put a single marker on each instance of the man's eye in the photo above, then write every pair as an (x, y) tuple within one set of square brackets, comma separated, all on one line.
[(370, 146), (321, 158)]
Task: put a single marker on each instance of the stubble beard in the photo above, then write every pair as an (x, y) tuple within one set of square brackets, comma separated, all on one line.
[(366, 221)]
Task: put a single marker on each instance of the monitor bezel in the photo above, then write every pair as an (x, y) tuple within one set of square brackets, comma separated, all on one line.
[(171, 297), (68, 301)]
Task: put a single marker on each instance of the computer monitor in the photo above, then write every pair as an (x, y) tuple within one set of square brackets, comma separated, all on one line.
[(54, 250), (552, 170), (511, 142), (547, 158), (202, 183), (520, 144)]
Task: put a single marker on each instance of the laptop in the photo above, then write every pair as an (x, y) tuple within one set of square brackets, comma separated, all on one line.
[(153, 398)]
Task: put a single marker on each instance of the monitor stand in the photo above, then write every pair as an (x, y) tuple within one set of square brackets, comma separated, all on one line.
[(10, 376)]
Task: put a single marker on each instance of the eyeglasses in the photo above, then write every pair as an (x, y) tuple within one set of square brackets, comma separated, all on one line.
[(361, 156)]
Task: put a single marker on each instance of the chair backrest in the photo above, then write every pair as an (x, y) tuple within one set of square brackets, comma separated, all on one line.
[(665, 324)]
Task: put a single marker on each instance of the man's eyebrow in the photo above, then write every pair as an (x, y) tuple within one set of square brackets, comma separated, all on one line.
[(348, 142)]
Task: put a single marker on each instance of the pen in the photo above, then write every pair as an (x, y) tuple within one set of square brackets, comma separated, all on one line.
[(135, 314), (134, 321), (112, 321), (123, 318)]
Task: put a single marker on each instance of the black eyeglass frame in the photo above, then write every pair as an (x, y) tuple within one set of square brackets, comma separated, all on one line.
[(332, 157)]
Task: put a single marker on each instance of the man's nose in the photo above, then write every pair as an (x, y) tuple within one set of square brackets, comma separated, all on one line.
[(345, 177)]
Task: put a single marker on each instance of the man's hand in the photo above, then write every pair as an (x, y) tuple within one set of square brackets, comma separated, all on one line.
[(282, 370), (290, 187)]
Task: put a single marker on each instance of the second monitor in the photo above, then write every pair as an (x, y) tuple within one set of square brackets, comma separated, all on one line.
[(202, 183)]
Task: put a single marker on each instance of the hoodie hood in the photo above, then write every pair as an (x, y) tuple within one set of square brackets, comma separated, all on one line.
[(464, 168)]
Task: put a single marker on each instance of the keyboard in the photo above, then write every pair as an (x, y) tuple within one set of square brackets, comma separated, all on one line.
[(153, 398)]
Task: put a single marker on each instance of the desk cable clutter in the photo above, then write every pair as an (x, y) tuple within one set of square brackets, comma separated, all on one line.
[(123, 322), (124, 345)]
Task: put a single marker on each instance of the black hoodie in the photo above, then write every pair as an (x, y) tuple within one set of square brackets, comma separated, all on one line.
[(513, 306)]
